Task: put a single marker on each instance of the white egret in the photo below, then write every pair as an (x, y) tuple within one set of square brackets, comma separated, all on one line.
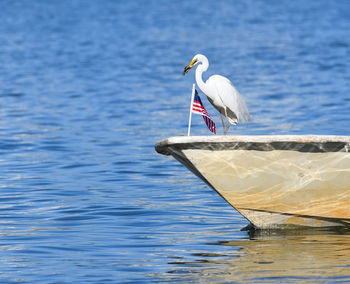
[(220, 93)]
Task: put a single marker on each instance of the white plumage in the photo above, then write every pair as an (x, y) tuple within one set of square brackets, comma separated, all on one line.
[(220, 93)]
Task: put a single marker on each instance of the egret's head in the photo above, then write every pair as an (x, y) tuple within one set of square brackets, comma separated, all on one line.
[(193, 62)]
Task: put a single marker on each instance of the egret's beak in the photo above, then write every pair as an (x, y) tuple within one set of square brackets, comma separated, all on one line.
[(189, 66)]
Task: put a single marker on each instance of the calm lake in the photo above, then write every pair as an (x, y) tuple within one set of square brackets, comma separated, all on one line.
[(86, 90)]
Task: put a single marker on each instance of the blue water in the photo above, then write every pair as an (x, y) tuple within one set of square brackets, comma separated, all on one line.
[(86, 90)]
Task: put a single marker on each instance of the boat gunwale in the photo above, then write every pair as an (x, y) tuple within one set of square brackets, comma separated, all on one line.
[(301, 143)]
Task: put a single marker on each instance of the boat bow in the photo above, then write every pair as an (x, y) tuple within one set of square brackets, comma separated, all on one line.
[(275, 180)]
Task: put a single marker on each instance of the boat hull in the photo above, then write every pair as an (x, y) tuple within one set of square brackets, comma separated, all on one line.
[(273, 181)]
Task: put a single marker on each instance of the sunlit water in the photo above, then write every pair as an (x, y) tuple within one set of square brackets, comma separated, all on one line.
[(88, 87)]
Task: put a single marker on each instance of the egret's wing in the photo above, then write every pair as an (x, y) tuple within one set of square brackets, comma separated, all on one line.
[(230, 98)]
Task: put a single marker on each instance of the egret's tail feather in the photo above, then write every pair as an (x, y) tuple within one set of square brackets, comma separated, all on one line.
[(232, 118), (233, 121)]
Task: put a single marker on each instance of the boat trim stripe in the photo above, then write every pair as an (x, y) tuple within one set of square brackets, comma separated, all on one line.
[(306, 147)]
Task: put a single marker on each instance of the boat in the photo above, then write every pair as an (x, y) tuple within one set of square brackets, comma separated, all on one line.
[(274, 181)]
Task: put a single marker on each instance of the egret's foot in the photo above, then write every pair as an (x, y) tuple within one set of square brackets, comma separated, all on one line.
[(227, 128)]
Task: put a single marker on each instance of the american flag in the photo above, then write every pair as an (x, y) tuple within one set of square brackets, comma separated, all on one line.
[(199, 108)]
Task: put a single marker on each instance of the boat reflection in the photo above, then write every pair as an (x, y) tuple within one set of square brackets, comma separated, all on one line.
[(306, 256)]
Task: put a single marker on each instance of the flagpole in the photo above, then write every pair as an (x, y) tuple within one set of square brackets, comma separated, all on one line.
[(190, 118)]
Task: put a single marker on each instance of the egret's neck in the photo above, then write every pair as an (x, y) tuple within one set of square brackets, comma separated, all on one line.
[(202, 67)]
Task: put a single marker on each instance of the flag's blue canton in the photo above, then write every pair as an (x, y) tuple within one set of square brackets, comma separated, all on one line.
[(197, 98)]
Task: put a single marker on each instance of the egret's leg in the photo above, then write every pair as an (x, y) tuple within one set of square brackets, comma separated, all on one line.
[(222, 120), (228, 123)]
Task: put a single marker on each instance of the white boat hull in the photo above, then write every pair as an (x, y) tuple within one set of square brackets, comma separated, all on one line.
[(274, 181)]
